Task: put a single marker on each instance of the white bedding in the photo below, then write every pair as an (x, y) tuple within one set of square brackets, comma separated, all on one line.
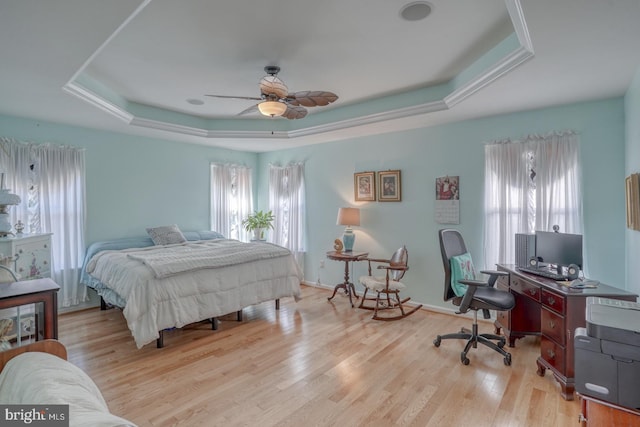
[(154, 304), (169, 260)]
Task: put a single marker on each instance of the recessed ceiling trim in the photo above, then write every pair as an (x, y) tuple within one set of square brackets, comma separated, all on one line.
[(168, 127), (76, 89), (108, 40), (504, 66), (521, 54), (514, 7), (414, 110), (193, 131)]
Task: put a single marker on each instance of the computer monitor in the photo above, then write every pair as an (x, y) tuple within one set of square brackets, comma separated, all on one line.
[(560, 249)]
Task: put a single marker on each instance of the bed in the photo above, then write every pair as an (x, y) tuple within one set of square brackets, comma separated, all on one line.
[(159, 287)]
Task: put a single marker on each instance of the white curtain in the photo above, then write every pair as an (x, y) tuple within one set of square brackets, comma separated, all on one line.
[(558, 190), (287, 201), (231, 199), (530, 184), (50, 180)]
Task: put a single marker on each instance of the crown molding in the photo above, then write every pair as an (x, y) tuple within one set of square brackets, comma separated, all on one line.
[(499, 69), (521, 54), (76, 89)]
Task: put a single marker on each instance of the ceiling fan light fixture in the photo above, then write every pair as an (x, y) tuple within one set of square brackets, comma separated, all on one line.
[(273, 85), (272, 108)]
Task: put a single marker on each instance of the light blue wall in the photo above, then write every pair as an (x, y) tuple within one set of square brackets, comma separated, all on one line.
[(133, 182), (632, 148), (454, 149)]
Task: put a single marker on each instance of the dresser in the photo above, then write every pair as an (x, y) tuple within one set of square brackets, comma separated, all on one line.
[(552, 311), (34, 301), (30, 253)]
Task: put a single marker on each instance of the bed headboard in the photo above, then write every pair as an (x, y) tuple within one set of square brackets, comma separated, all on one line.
[(54, 347)]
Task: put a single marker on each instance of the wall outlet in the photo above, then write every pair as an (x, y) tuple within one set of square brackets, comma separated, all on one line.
[(322, 264)]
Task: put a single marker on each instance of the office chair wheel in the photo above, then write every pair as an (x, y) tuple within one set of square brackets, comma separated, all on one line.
[(437, 341), (464, 359), (507, 359)]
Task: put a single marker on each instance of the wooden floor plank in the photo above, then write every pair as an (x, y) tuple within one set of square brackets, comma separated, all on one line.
[(313, 362)]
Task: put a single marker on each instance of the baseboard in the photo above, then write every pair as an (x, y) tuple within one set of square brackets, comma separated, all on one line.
[(428, 307)]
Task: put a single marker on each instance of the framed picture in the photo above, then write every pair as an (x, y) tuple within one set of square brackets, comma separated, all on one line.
[(633, 201), (448, 188), (389, 186), (364, 186)]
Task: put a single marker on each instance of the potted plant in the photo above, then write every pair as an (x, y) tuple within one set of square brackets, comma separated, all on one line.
[(257, 222)]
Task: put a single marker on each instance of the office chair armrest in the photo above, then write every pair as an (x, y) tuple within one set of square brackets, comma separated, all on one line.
[(494, 272), (493, 275), (474, 283), (467, 298)]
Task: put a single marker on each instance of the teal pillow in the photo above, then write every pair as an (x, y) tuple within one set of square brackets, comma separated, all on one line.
[(461, 268)]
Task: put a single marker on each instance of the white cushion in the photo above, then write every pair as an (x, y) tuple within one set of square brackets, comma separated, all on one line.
[(166, 235), (379, 283), (40, 378)]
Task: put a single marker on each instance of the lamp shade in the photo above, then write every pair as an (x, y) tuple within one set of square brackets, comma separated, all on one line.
[(272, 108), (348, 216)]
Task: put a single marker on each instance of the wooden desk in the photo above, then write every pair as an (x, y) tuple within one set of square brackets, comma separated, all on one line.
[(43, 291), (595, 413), (553, 312), (347, 285)]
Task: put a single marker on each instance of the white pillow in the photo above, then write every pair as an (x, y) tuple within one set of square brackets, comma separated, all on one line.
[(166, 235)]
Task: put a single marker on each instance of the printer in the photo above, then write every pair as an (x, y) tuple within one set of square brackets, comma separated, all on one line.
[(607, 352)]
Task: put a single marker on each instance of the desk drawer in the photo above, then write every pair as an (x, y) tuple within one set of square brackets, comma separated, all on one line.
[(552, 325), (553, 354), (553, 301), (525, 288)]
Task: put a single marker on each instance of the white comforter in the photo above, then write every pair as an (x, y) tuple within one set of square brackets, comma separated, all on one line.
[(154, 304)]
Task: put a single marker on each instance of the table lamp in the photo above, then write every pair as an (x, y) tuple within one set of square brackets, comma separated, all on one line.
[(6, 201), (348, 217)]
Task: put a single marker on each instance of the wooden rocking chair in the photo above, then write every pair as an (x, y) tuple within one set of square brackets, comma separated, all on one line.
[(388, 287)]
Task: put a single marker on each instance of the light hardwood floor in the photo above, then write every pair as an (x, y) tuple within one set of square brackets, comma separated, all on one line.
[(313, 363)]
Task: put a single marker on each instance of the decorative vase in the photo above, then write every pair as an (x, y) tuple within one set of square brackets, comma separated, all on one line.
[(258, 233)]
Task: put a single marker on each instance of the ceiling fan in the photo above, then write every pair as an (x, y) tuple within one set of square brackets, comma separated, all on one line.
[(275, 99)]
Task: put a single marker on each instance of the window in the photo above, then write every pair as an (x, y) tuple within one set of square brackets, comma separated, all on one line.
[(530, 185), (287, 202), (50, 180), (231, 199)]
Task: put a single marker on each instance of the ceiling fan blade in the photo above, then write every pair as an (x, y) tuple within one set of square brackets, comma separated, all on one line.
[(253, 98), (294, 112), (251, 109), (312, 98)]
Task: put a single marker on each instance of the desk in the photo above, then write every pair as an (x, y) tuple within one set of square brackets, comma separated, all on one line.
[(43, 291), (595, 412), (347, 285), (553, 312)]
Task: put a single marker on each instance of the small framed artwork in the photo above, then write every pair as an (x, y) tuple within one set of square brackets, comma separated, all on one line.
[(389, 186), (447, 203), (633, 201), (364, 186)]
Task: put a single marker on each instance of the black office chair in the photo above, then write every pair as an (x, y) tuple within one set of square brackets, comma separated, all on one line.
[(479, 295)]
